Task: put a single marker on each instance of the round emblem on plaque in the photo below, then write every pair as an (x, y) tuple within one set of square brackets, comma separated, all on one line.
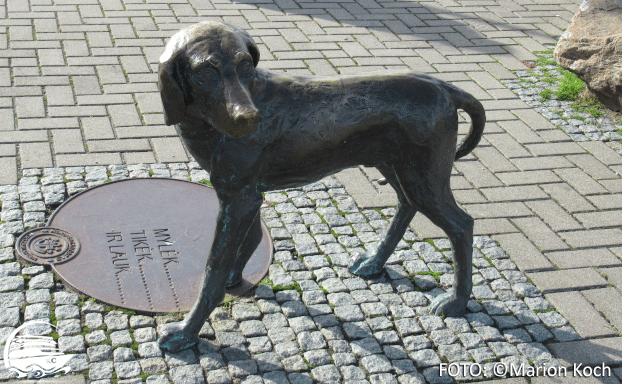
[(47, 246)]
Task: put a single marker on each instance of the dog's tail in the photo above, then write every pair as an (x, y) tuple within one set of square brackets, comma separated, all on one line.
[(475, 109)]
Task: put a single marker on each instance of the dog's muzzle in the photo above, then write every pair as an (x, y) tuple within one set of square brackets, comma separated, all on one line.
[(242, 113), (245, 120)]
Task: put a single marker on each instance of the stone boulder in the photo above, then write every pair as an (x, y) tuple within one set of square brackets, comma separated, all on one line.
[(591, 47)]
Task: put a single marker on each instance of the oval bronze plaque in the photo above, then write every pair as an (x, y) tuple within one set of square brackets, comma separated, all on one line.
[(144, 243)]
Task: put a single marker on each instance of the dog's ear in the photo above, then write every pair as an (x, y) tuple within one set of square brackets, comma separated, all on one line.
[(172, 85), (254, 51), (252, 48)]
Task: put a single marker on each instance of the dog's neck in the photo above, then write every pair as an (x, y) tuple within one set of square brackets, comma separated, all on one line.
[(198, 129)]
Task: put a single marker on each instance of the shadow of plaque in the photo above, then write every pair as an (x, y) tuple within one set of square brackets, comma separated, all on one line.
[(140, 244)]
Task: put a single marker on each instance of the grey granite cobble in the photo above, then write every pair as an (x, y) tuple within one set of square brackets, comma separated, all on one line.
[(99, 352)]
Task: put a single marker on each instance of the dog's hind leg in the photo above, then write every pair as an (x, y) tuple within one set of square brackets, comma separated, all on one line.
[(429, 190), (372, 262), (248, 246)]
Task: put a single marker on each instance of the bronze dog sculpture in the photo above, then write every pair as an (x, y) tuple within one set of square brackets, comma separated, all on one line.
[(256, 130)]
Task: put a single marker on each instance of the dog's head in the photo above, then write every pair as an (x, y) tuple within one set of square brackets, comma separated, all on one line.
[(208, 70)]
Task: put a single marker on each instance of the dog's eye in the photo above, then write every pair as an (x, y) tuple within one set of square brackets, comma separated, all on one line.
[(245, 69), (208, 75)]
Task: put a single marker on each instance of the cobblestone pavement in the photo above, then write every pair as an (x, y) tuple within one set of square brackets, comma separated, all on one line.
[(311, 319), (78, 89)]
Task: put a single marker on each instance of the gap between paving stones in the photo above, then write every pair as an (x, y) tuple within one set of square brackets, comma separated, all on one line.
[(310, 320)]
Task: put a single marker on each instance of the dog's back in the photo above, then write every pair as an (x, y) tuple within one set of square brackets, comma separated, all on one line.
[(328, 110)]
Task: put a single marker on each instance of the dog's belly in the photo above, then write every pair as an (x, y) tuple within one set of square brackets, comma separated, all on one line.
[(291, 166)]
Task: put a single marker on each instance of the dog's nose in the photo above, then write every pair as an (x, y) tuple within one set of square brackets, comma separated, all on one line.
[(245, 113)]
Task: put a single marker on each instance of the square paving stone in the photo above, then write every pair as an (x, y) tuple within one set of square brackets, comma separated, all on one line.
[(180, 358), (502, 349), (379, 323), (425, 358), (482, 354), (242, 368), (252, 328), (287, 349), (365, 347), (401, 311), (357, 330), (153, 366), (294, 309), (351, 373), (294, 363), (387, 337), (218, 376), (245, 311), (494, 307), (230, 338), (319, 309), (130, 369), (489, 333), (552, 319), (259, 344), (527, 317), (332, 333), (296, 377), (274, 321), (414, 343), (311, 340), (268, 362), (99, 352), (407, 327), (281, 335), (326, 373), (341, 359), (233, 353), (302, 323), (517, 335), (453, 353), (479, 319), (339, 346), (363, 296), (536, 352), (374, 309), (458, 324), (313, 297), (443, 337), (355, 283), (506, 322), (326, 321), (349, 313), (471, 340), (539, 332), (212, 361), (483, 292), (376, 364), (566, 333), (317, 357)]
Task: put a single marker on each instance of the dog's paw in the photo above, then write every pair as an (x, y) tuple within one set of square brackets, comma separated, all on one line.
[(234, 279), (365, 264), (175, 337), (449, 304)]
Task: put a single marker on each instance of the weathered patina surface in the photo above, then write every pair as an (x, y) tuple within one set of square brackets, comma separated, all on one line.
[(256, 130)]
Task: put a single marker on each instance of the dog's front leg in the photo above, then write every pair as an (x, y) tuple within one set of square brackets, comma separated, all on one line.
[(237, 212)]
